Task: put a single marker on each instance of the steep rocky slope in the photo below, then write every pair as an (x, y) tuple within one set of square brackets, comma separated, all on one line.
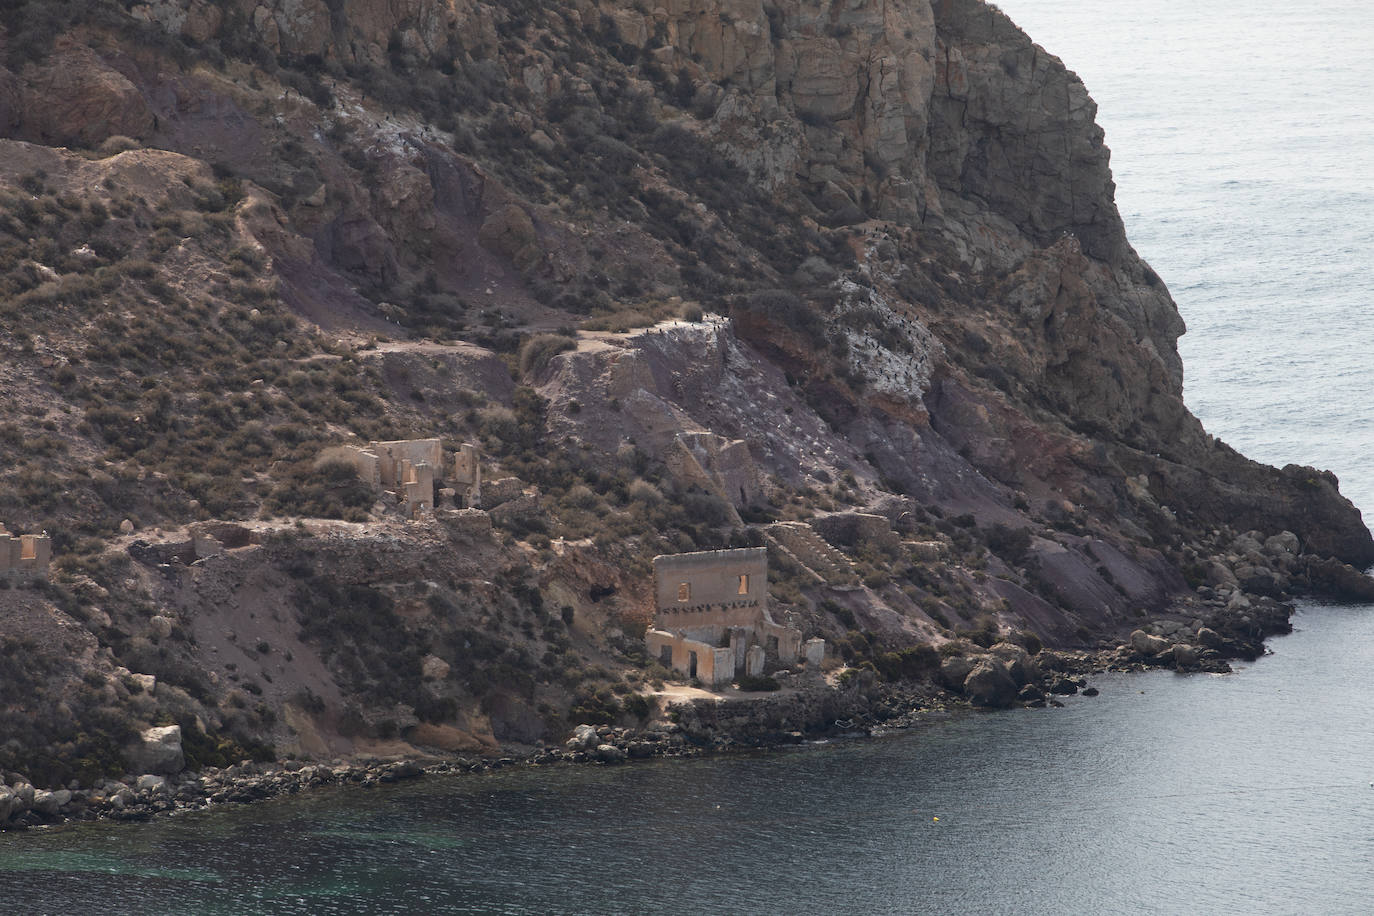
[(696, 275)]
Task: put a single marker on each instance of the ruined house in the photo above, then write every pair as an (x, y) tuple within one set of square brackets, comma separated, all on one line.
[(711, 617), (24, 557), (406, 467), (410, 467), (467, 476)]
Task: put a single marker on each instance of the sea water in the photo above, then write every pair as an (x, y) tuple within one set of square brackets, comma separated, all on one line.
[(1243, 148), (1243, 793)]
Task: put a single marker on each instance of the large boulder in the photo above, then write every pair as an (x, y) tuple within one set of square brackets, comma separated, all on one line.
[(584, 738), (609, 753), (1210, 638), (989, 684), (149, 782), (158, 751), (510, 232), (434, 668), (1185, 656), (50, 803), (1283, 544), (1260, 580), (1017, 661), (1148, 644), (1339, 579), (955, 670)]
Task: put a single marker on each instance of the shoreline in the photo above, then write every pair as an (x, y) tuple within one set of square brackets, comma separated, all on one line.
[(862, 707)]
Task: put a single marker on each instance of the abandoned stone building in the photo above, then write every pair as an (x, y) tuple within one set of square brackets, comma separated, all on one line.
[(24, 557), (711, 617), (409, 467), (467, 476)]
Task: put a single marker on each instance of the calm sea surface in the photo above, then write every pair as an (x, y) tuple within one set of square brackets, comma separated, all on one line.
[(1243, 146), (1249, 793)]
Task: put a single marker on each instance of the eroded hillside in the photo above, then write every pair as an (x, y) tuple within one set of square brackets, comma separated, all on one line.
[(843, 280)]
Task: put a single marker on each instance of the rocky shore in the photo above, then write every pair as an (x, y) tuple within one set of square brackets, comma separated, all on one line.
[(860, 703), (136, 798)]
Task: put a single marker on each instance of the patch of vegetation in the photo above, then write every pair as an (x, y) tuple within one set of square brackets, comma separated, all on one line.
[(762, 683)]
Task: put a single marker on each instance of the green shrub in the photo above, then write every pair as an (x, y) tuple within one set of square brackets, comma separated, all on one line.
[(918, 662), (1011, 544), (537, 351)]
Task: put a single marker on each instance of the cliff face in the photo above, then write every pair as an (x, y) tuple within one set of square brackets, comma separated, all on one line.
[(689, 272)]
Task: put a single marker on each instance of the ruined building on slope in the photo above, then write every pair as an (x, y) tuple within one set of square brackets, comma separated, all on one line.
[(409, 468), (711, 617), (24, 557)]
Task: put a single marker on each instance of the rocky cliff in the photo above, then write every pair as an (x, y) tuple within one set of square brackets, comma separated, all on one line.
[(844, 279)]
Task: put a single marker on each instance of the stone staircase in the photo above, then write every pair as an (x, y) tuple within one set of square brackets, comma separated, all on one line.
[(780, 558), (799, 543)]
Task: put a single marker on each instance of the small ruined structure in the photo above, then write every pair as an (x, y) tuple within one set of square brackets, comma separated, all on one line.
[(24, 557), (711, 619), (405, 466), (723, 467), (409, 468), (467, 476)]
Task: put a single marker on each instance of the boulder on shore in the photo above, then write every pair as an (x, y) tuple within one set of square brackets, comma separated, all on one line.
[(1148, 644), (158, 751), (955, 670), (609, 753), (989, 684), (584, 738)]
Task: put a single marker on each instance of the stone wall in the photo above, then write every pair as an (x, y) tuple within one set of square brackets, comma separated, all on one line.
[(712, 583), (25, 556), (405, 466)]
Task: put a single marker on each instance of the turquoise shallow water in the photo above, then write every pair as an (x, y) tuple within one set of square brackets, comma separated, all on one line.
[(1243, 146)]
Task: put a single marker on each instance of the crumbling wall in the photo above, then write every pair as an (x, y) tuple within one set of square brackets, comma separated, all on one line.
[(393, 456), (712, 665), (406, 466), (416, 487), (713, 581), (24, 557), (467, 475), (365, 462)]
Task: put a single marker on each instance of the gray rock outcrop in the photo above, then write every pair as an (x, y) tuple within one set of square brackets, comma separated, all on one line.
[(158, 751)]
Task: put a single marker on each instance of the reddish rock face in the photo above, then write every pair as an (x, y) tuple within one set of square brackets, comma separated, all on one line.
[(75, 98)]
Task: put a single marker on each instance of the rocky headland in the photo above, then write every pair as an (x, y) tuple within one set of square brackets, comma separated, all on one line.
[(845, 281)]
